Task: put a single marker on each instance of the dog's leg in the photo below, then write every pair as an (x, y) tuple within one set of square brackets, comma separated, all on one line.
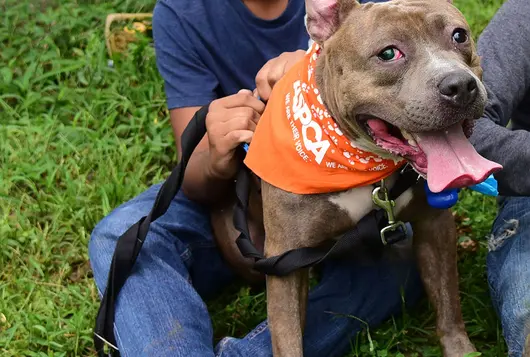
[(286, 304), (292, 221), (286, 295), (435, 244)]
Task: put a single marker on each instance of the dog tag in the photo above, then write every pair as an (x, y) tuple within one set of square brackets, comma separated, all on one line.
[(442, 200)]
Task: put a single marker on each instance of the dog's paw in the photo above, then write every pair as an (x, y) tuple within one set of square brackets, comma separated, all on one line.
[(457, 345)]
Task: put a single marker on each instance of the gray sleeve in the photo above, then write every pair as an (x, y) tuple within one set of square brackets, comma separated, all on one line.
[(505, 50)]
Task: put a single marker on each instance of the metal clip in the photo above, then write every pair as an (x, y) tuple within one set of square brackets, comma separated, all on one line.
[(388, 205)]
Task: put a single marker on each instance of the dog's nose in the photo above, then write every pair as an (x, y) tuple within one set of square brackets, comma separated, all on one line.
[(459, 88)]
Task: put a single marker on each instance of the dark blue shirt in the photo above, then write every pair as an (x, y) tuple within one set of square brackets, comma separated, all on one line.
[(208, 49)]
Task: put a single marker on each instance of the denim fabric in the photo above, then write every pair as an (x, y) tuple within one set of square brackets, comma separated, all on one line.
[(508, 265), (161, 309)]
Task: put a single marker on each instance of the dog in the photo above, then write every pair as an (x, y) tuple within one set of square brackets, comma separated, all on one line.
[(383, 85)]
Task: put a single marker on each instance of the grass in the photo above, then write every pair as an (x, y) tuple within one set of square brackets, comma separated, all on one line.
[(78, 138)]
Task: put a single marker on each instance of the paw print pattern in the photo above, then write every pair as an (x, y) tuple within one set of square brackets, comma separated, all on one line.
[(319, 98), (379, 167), (363, 160)]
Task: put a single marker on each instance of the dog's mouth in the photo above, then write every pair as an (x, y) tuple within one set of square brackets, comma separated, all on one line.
[(444, 157)]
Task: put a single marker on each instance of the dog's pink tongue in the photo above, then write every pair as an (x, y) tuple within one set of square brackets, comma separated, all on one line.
[(452, 162)]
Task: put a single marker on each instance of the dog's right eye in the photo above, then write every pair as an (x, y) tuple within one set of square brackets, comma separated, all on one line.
[(459, 35), (390, 54)]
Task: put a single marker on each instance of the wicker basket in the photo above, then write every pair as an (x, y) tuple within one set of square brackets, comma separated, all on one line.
[(118, 36)]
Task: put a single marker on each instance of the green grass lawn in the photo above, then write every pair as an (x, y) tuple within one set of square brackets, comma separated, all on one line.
[(78, 138)]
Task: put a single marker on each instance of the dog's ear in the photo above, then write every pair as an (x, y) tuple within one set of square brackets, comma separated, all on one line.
[(323, 17)]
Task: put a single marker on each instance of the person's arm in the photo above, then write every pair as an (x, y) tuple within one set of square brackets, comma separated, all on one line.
[(504, 47), (213, 165), (189, 84), (231, 120), (198, 184)]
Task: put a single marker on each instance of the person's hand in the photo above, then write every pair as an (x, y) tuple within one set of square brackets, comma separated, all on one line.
[(273, 70), (230, 121)]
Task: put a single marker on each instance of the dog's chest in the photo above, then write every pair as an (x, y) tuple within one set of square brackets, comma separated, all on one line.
[(357, 202)]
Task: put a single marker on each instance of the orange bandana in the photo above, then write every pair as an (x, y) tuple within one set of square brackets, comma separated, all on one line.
[(298, 147)]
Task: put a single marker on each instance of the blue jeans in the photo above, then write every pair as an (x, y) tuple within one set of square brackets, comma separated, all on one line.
[(508, 265), (161, 310)]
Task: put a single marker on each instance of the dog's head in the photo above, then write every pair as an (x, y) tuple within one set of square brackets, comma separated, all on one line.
[(403, 78)]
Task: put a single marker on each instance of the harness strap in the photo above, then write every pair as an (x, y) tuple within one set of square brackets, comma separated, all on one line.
[(129, 244), (366, 232)]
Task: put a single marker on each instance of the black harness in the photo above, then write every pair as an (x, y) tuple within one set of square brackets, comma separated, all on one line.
[(375, 230)]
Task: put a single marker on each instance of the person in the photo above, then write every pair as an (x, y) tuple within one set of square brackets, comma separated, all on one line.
[(504, 47), (211, 52), (202, 60)]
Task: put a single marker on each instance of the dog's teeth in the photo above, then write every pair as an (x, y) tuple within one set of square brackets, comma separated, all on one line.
[(409, 138), (406, 135)]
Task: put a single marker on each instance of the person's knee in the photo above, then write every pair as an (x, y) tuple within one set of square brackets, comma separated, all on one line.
[(516, 328), (511, 298), (101, 248), (103, 240), (106, 233), (512, 221), (509, 271)]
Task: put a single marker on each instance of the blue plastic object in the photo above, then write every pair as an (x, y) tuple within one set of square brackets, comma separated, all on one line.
[(487, 187), (448, 198), (245, 145), (442, 200)]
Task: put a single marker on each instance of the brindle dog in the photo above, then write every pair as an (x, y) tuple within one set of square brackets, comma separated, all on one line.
[(435, 89)]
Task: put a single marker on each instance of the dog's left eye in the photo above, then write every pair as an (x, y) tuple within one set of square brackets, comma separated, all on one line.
[(459, 35), (390, 54)]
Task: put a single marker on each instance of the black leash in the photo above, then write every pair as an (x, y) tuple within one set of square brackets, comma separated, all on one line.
[(128, 247), (129, 244)]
